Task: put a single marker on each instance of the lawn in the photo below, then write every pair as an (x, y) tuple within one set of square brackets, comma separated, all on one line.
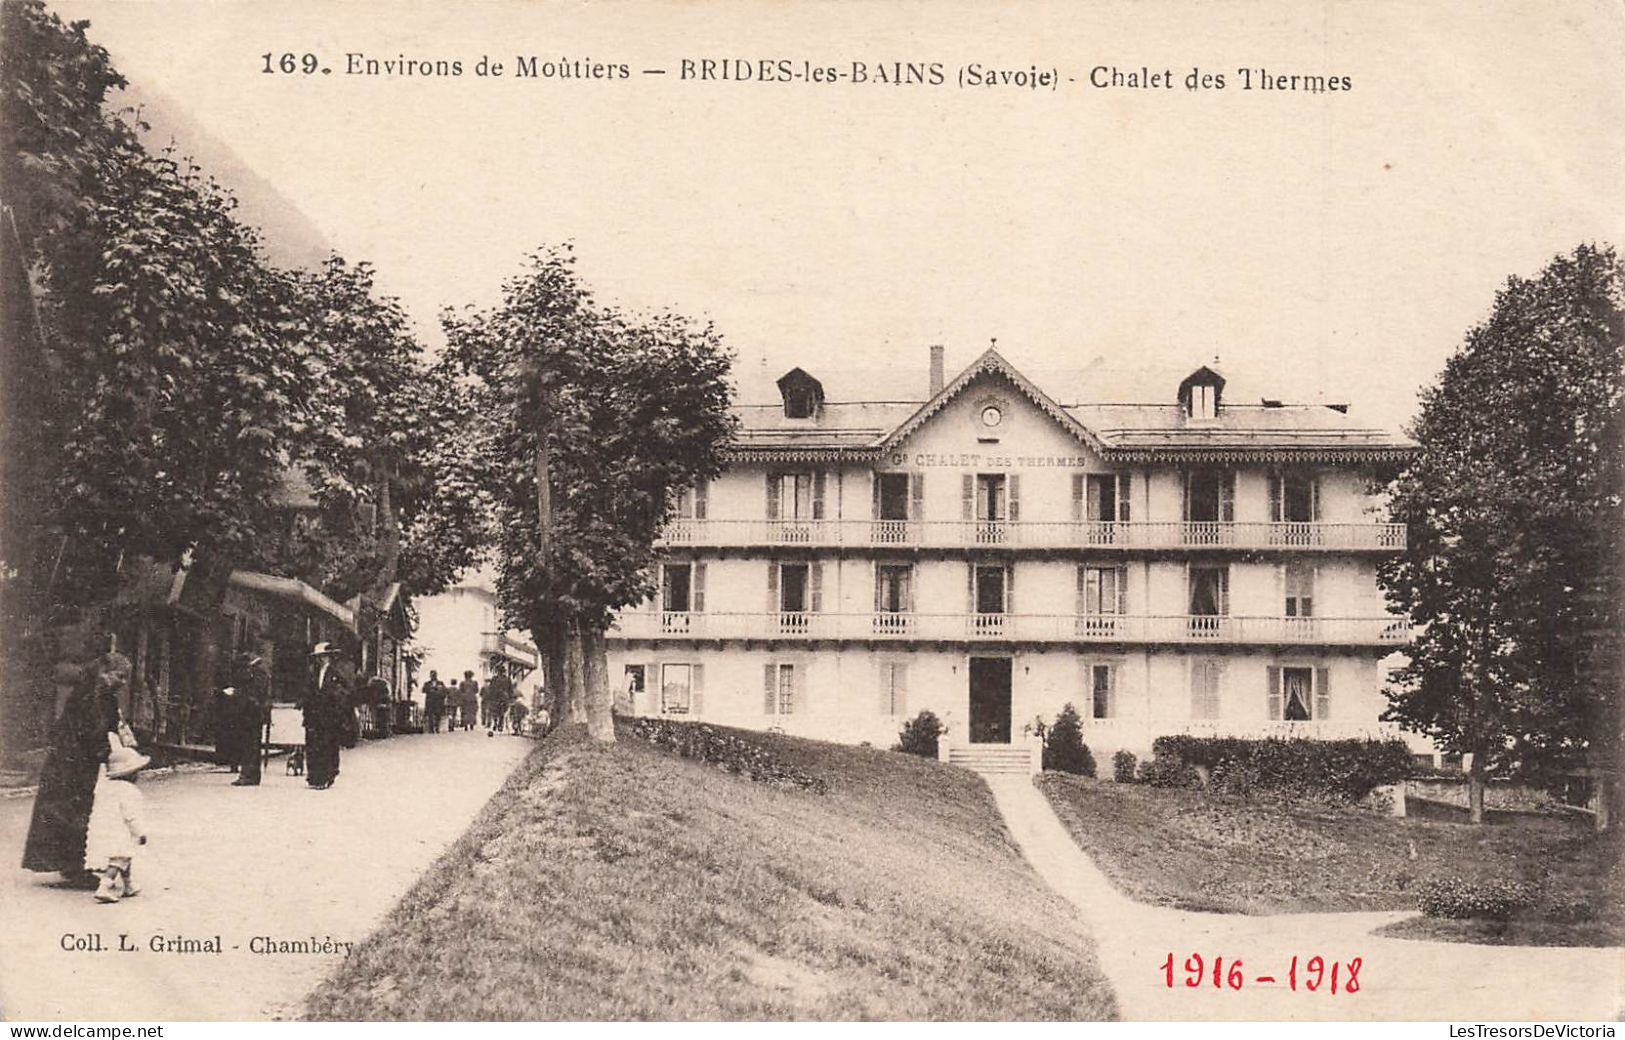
[(1200, 851), (622, 882)]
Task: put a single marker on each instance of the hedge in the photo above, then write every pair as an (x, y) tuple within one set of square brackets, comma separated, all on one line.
[(726, 750), (1346, 769)]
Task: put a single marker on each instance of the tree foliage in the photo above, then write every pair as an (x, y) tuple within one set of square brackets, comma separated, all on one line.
[(623, 412), (1513, 511)]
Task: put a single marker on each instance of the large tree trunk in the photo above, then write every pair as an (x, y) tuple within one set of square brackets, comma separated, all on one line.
[(599, 701), (550, 639), (389, 534), (1475, 789), (573, 692)]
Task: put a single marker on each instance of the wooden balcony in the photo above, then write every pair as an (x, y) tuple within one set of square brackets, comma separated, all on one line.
[(973, 534), (1208, 630)]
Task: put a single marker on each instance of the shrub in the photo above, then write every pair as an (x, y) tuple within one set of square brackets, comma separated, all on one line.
[(1493, 899), (1064, 749), (1168, 772), (1570, 910), (1123, 765), (1346, 769), (729, 751), (920, 735)]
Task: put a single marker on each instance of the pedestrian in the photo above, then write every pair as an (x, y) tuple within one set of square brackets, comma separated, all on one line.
[(434, 701), (253, 712), (499, 692), (227, 724), (116, 826), (516, 713), (325, 705), (468, 700), (73, 763)]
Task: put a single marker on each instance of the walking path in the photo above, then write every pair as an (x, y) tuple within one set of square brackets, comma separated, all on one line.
[(278, 861), (1399, 979)]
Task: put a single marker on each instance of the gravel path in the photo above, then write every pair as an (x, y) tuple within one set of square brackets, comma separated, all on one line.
[(1400, 979), (242, 864)]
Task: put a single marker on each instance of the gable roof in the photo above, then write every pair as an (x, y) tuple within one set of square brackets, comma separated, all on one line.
[(991, 363)]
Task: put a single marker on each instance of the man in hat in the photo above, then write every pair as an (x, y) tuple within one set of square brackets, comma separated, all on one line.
[(253, 708), (324, 724), (468, 700)]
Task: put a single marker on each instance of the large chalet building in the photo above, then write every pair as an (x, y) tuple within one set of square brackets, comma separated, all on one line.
[(992, 554)]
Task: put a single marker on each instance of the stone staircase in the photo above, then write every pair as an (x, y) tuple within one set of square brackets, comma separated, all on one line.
[(994, 759)]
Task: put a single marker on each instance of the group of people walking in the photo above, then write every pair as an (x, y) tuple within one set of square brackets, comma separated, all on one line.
[(495, 707)]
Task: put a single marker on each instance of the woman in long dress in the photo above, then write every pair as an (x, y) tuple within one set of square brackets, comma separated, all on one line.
[(324, 708), (56, 832)]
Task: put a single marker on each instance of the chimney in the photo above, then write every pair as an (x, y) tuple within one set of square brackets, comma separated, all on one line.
[(936, 371)]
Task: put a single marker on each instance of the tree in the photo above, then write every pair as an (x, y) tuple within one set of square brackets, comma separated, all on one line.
[(594, 419), (1513, 510), (1064, 749)]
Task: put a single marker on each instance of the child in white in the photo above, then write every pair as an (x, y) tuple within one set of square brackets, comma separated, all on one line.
[(116, 827)]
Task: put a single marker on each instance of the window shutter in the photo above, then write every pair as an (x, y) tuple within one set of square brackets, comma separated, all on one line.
[(772, 496), (908, 587), (660, 588), (1122, 590), (967, 496), (696, 690), (770, 688), (1125, 488), (900, 684), (1083, 585), (1185, 498), (1111, 691), (815, 577), (1227, 496), (874, 497), (798, 689), (970, 585), (772, 587), (1224, 592), (1273, 703), (1015, 497), (699, 588), (818, 495), (1277, 491), (1077, 497), (1010, 589), (1280, 587), (880, 586), (1323, 693), (916, 496), (702, 492), (1314, 499)]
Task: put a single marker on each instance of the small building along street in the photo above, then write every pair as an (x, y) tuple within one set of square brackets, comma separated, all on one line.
[(278, 866)]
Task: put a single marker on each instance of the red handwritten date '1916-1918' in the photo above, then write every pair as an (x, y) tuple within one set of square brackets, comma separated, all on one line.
[(1314, 974)]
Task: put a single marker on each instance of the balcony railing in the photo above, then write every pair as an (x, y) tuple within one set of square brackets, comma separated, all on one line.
[(1030, 628), (1087, 534)]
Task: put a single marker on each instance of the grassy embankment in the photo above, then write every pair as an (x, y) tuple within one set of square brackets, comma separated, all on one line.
[(622, 882), (1201, 851)]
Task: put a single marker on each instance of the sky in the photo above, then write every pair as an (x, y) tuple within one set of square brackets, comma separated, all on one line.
[(1338, 243)]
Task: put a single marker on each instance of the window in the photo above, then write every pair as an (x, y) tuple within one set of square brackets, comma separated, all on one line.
[(676, 587), (991, 505), (691, 503), (632, 689), (676, 688), (1210, 496), (795, 497), (1100, 601), (1204, 401), (1102, 689), (893, 688), (1299, 693), (1210, 591), (1205, 676), (1106, 497), (1300, 590), (779, 689), (893, 588), (990, 590), (793, 588), (891, 496), (800, 402), (1295, 498)]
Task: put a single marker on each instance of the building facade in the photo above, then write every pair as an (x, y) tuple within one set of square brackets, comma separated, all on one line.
[(990, 554), (461, 630)]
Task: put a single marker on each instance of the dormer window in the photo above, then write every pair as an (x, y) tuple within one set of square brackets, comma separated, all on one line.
[(1199, 394), (803, 395)]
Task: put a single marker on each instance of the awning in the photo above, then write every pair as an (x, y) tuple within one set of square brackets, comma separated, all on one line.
[(295, 591)]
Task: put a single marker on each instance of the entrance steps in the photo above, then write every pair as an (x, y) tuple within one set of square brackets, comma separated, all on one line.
[(995, 759)]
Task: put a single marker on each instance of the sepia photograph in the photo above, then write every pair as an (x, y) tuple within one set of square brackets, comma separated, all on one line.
[(812, 511)]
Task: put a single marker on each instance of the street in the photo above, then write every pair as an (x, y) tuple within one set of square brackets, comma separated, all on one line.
[(279, 867)]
